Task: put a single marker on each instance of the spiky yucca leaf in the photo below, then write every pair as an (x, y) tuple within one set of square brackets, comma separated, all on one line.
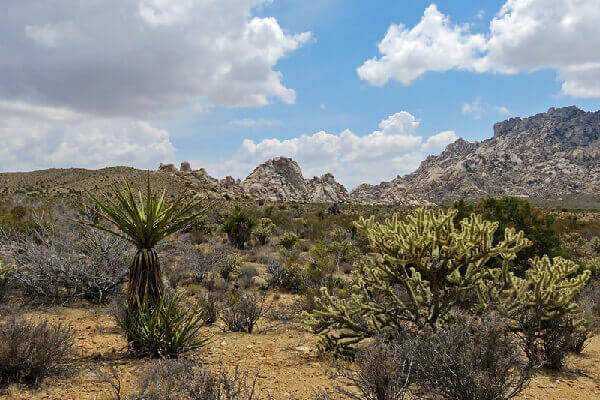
[(163, 329), (144, 222)]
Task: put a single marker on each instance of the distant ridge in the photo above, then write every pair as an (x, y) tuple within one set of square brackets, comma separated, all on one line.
[(546, 156)]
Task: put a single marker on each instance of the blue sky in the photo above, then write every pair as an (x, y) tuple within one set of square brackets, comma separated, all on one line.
[(207, 126)]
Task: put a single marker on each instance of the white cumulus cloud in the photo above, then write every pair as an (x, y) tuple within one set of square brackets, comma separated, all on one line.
[(36, 137), (142, 57), (524, 36), (392, 149)]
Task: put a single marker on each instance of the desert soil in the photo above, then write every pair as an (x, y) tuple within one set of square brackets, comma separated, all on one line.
[(280, 353)]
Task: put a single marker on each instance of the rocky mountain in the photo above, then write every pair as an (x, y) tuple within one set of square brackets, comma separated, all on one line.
[(545, 156), (281, 179)]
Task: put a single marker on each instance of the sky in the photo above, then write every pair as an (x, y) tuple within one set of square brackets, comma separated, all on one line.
[(363, 89)]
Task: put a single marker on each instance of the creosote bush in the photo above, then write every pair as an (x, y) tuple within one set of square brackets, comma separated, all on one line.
[(30, 351), (382, 370)]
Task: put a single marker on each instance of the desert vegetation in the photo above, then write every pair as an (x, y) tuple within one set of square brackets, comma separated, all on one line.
[(255, 300)]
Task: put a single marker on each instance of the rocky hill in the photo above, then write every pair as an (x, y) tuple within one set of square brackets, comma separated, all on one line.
[(277, 179), (548, 155), (281, 179)]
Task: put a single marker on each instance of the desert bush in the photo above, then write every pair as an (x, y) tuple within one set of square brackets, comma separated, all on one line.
[(547, 342), (211, 306), (198, 262), (60, 267), (6, 272), (185, 380), (246, 275), (420, 268), (588, 301), (520, 215), (238, 226), (230, 265), (165, 328), (30, 351), (470, 360), (334, 209), (263, 230), (242, 311), (287, 272), (288, 240), (595, 244), (382, 370)]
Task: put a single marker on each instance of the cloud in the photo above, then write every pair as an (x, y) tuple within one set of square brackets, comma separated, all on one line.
[(142, 57), (394, 148), (53, 35), (35, 137), (473, 108), (525, 36), (434, 44), (502, 110), (253, 123), (440, 141)]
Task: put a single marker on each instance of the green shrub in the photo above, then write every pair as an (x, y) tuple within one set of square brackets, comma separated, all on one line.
[(520, 215), (288, 240), (287, 271), (263, 230), (163, 329), (238, 226), (230, 265), (595, 243)]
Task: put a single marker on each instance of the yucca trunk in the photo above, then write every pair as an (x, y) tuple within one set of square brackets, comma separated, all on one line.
[(145, 279)]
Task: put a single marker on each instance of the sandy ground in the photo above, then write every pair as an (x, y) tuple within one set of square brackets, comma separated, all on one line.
[(280, 353)]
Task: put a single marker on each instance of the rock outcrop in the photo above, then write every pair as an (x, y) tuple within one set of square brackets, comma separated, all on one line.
[(280, 179), (544, 156)]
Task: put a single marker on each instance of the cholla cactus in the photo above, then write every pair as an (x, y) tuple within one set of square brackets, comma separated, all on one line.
[(263, 230), (420, 267), (549, 288)]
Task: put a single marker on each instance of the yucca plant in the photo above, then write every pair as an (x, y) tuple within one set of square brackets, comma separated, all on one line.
[(144, 222), (163, 329)]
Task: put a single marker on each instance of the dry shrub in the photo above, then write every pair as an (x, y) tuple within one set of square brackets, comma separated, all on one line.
[(381, 371), (470, 360), (243, 311), (60, 267), (31, 351), (183, 380)]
